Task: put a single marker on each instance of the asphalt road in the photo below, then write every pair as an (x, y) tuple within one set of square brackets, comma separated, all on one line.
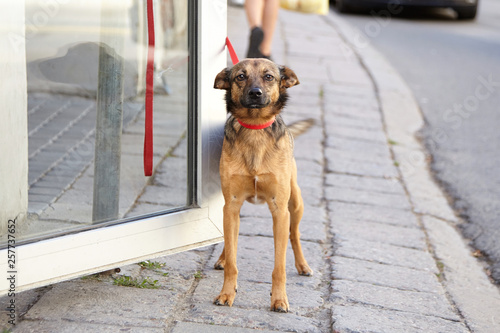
[(453, 69)]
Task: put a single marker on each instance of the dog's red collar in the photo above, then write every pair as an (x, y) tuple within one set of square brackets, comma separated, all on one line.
[(258, 126)]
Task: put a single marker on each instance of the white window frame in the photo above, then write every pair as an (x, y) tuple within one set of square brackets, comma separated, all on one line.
[(81, 253)]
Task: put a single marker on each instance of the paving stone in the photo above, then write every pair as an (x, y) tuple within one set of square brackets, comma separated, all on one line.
[(313, 182), (308, 146), (399, 201), (351, 211), (347, 319), (362, 168), (304, 106), (464, 277), (307, 73), (354, 122), (248, 209), (186, 327), (356, 133), (303, 91), (375, 148), (385, 275), (255, 318), (384, 253), (348, 90), (306, 168), (312, 213), (355, 107), (410, 237), (348, 73), (291, 117), (184, 264), (335, 154), (312, 196), (423, 303), (101, 303), (65, 326), (386, 185), (23, 302)]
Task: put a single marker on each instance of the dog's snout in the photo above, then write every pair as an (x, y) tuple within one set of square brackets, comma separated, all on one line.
[(255, 92)]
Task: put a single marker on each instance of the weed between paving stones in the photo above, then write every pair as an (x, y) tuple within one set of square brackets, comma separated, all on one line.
[(127, 281)]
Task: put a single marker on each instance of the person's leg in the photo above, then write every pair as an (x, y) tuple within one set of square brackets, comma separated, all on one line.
[(254, 10), (269, 19)]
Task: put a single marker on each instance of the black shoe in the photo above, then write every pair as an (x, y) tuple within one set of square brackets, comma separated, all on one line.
[(256, 38)]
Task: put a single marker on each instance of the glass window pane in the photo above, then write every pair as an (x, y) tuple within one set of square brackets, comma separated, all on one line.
[(66, 43)]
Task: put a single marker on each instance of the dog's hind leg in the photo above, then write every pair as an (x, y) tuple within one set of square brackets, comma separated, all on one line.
[(221, 261), (296, 208)]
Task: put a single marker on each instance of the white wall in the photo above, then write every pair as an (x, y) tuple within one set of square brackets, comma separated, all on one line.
[(13, 114)]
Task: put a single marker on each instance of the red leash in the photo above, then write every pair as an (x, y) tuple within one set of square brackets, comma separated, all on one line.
[(148, 130), (232, 53)]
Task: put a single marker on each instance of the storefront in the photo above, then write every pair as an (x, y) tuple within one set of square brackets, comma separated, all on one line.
[(74, 196)]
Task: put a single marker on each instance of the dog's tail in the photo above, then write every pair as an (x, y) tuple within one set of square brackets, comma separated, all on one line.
[(299, 127)]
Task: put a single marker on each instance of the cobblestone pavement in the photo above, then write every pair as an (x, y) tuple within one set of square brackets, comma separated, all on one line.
[(378, 265)]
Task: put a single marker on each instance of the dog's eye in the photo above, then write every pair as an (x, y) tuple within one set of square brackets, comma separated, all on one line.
[(268, 77), (240, 77)]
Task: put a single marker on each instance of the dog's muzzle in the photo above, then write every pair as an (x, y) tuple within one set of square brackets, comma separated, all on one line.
[(255, 98)]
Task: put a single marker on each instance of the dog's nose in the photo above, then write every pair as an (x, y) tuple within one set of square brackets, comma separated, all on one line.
[(255, 92)]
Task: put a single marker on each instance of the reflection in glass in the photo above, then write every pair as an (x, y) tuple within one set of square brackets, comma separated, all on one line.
[(63, 43)]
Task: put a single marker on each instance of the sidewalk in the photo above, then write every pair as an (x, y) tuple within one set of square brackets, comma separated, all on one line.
[(377, 231)]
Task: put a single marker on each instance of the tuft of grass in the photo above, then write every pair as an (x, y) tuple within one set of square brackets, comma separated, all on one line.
[(440, 267), (93, 277), (396, 163), (127, 281), (198, 275), (392, 142), (151, 264)]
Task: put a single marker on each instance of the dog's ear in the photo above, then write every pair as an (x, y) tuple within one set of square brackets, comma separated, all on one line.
[(288, 77), (222, 79)]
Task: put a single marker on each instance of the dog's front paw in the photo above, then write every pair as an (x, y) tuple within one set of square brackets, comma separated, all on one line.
[(280, 305), (225, 299)]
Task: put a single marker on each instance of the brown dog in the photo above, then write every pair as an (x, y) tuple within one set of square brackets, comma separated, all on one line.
[(257, 165)]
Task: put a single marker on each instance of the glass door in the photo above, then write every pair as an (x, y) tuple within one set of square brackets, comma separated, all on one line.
[(90, 206)]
